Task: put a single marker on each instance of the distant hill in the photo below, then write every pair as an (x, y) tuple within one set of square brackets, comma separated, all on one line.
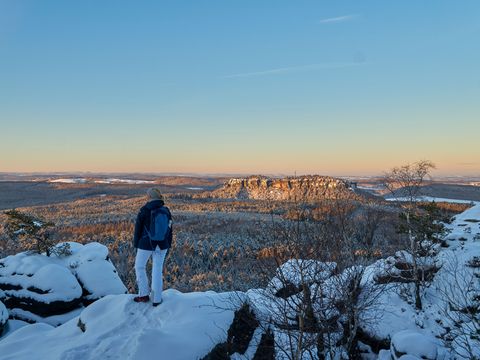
[(21, 192), (448, 191)]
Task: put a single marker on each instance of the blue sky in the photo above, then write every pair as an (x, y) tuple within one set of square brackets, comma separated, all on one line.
[(330, 87)]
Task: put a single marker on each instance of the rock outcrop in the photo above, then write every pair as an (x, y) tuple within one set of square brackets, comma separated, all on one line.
[(413, 344), (52, 289), (304, 188), (3, 317)]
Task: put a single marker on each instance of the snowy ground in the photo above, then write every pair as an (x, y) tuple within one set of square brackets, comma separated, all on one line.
[(429, 198), (124, 181), (100, 181), (454, 279), (69, 181), (185, 326)]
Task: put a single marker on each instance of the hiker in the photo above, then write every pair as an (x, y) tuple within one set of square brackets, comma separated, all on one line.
[(153, 218)]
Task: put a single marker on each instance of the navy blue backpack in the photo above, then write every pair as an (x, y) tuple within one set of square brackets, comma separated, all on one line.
[(159, 224)]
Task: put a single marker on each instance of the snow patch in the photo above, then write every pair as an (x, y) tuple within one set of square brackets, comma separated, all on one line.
[(413, 343), (69, 181), (123, 181), (431, 199)]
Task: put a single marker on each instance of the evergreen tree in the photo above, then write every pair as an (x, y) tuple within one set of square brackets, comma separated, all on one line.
[(33, 233)]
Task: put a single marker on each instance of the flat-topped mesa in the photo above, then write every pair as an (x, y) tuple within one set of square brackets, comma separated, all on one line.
[(312, 187)]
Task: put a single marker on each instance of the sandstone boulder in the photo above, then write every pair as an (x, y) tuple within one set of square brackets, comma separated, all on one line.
[(53, 289)]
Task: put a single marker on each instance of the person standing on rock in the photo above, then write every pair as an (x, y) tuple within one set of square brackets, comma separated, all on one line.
[(152, 238)]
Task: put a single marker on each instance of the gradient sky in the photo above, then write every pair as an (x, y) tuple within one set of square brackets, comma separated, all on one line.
[(250, 86)]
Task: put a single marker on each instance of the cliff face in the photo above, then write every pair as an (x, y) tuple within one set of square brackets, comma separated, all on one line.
[(298, 188)]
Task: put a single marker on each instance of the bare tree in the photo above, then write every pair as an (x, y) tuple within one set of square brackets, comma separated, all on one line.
[(370, 236), (405, 184), (407, 181)]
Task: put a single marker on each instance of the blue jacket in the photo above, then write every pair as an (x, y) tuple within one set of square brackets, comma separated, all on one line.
[(141, 240)]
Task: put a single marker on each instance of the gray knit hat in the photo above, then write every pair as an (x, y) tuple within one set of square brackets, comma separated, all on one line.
[(155, 194)]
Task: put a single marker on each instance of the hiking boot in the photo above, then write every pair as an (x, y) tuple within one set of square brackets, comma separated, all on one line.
[(157, 303), (140, 299)]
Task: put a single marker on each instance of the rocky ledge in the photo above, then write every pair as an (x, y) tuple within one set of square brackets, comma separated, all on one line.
[(53, 289), (304, 188)]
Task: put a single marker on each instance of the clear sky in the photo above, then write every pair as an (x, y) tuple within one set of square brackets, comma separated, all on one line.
[(247, 86)]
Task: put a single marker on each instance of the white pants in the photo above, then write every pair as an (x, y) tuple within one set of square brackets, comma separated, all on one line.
[(157, 272)]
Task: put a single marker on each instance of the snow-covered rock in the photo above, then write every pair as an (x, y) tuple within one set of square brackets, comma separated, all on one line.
[(51, 289), (308, 271), (414, 344), (95, 273), (184, 326), (3, 317), (294, 273)]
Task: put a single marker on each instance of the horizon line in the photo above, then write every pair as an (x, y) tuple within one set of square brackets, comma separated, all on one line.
[(215, 174)]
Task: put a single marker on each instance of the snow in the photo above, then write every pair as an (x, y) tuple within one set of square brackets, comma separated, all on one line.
[(49, 274), (48, 279), (23, 264), (371, 187), (298, 271), (471, 213), (413, 343), (99, 279), (124, 181), (12, 325), (100, 181), (430, 199), (185, 326), (69, 181), (88, 252), (54, 320), (403, 323), (252, 347), (98, 276), (3, 314), (58, 282)]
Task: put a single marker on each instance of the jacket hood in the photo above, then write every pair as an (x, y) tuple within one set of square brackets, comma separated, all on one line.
[(154, 204)]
